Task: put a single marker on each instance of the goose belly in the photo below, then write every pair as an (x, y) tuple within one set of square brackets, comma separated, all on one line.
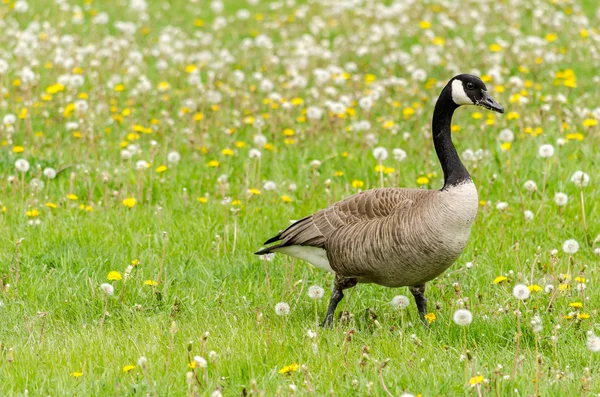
[(313, 255)]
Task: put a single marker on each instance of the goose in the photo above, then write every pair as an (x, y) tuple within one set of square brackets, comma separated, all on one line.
[(396, 237)]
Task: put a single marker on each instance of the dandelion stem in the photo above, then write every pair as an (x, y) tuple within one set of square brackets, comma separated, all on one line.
[(585, 228), (518, 313)]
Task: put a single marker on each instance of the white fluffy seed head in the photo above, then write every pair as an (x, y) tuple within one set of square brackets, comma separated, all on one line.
[(399, 154), (530, 186), (254, 153), (200, 361), (506, 135), (315, 292), (380, 153), (269, 185), (108, 289), (570, 246), (22, 165), (521, 292), (501, 206), (528, 215), (561, 199), (593, 343), (142, 362), (546, 151), (282, 309), (400, 302), (173, 157), (49, 173), (580, 178), (462, 317)]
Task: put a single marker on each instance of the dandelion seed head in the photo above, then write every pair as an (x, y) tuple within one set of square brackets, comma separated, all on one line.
[(530, 186), (315, 292), (521, 292), (462, 317), (561, 199), (107, 288), (282, 309), (173, 157), (22, 165), (546, 151), (399, 154), (570, 246), (400, 302), (200, 361), (593, 343), (528, 215), (380, 153), (580, 178)]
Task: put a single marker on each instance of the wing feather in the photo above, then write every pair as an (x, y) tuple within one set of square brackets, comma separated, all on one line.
[(315, 229)]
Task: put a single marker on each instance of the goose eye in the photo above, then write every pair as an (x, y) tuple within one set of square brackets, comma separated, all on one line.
[(470, 85)]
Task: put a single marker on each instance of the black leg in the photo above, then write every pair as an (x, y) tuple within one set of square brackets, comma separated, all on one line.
[(418, 292), (336, 296)]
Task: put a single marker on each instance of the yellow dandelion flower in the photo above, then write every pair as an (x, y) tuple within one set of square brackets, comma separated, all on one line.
[(505, 146), (128, 368), (161, 168), (289, 368), (289, 141), (202, 200), (564, 287), (534, 288), (477, 115), (286, 199), (422, 180), (135, 262), (288, 132), (33, 213), (213, 163), (455, 128), (576, 136), (369, 78), (339, 173), (388, 170), (119, 87), (580, 279), (576, 305), (550, 37), (583, 316), (71, 196), (590, 122), (254, 191), (227, 152), (114, 276), (51, 205), (357, 183), (430, 317), (18, 149), (495, 47), (482, 203), (198, 116), (424, 24), (439, 41), (76, 374), (150, 282), (408, 111), (297, 101), (476, 380), (512, 115), (190, 68), (192, 364), (499, 279), (163, 86), (129, 202)]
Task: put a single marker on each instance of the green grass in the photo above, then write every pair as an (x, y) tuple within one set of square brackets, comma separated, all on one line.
[(52, 321)]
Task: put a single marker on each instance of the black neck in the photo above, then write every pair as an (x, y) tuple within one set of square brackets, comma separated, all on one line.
[(454, 170)]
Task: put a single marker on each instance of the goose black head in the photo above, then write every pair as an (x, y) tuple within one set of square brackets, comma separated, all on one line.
[(467, 89)]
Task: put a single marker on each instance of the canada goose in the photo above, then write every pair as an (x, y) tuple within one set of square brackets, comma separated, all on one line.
[(391, 236)]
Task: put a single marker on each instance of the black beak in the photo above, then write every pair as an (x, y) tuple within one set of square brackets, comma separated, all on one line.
[(489, 103)]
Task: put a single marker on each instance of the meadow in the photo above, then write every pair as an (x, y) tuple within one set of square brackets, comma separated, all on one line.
[(148, 148)]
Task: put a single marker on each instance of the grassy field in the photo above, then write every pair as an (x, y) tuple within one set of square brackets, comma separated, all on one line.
[(184, 133)]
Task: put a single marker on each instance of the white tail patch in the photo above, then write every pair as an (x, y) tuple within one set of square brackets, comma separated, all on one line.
[(459, 96), (313, 255)]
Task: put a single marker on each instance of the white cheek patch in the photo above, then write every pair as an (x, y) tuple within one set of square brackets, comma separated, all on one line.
[(459, 96)]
